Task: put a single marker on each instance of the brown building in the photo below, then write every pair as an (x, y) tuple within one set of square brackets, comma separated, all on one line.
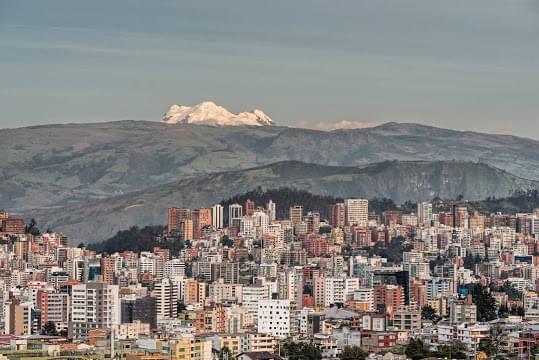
[(107, 269), (201, 219), (392, 217), (460, 216), (362, 237), (13, 225), (389, 297), (337, 215), (176, 216), (249, 207), (17, 319)]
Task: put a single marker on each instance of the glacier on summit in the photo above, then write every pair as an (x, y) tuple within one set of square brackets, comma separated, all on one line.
[(209, 113)]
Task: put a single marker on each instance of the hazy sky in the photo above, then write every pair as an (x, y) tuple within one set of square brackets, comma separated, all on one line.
[(465, 64)]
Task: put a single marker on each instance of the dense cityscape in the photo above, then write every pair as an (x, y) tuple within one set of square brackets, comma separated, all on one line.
[(269, 180), (239, 282)]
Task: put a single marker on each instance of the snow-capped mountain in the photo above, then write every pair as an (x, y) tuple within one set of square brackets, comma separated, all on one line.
[(209, 113)]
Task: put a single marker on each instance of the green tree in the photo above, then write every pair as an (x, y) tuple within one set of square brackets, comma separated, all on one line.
[(300, 351), (353, 353), (503, 311), (485, 302), (225, 354), (416, 349), (49, 329), (453, 350), (226, 241), (31, 228), (428, 313)]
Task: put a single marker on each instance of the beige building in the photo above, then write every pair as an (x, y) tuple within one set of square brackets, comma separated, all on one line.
[(407, 317)]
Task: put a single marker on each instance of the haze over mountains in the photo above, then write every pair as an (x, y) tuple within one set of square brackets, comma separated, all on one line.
[(85, 171)]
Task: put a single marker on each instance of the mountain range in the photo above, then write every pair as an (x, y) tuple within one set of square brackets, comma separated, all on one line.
[(59, 165), (401, 181), (63, 171)]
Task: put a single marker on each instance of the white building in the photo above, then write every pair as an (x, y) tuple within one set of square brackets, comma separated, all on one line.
[(337, 289), (357, 211), (252, 295), (166, 299), (93, 305), (274, 317), (217, 216), (424, 213), (235, 213), (175, 267)]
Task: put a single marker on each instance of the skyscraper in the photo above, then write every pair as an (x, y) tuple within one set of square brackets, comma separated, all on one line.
[(249, 207), (424, 213), (296, 214), (235, 212), (176, 216), (166, 298), (357, 211), (201, 219), (272, 211), (217, 216), (94, 305), (337, 215)]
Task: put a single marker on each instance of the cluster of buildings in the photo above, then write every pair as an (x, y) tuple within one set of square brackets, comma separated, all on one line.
[(242, 279)]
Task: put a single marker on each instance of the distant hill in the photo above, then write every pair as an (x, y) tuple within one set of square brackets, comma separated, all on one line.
[(62, 165), (418, 180)]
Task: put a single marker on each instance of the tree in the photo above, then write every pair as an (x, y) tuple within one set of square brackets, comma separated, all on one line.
[(226, 241), (503, 311), (353, 353), (428, 313), (225, 354), (485, 302), (32, 228), (416, 349), (49, 329), (300, 351), (453, 350)]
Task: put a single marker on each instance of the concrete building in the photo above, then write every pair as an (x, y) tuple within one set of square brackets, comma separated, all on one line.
[(274, 317), (357, 211)]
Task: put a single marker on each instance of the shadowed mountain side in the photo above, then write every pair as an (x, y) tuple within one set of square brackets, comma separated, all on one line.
[(400, 181)]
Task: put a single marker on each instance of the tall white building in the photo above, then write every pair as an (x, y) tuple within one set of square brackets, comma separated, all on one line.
[(274, 317), (235, 213), (217, 216), (357, 211), (272, 211), (296, 214), (261, 220), (424, 213), (93, 305), (166, 299)]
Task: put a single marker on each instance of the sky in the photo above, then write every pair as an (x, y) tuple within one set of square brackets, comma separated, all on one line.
[(460, 64)]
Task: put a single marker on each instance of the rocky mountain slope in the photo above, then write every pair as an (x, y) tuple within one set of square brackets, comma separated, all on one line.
[(61, 165), (401, 181)]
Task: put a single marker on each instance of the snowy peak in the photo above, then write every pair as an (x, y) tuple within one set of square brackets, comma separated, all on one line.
[(209, 113)]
